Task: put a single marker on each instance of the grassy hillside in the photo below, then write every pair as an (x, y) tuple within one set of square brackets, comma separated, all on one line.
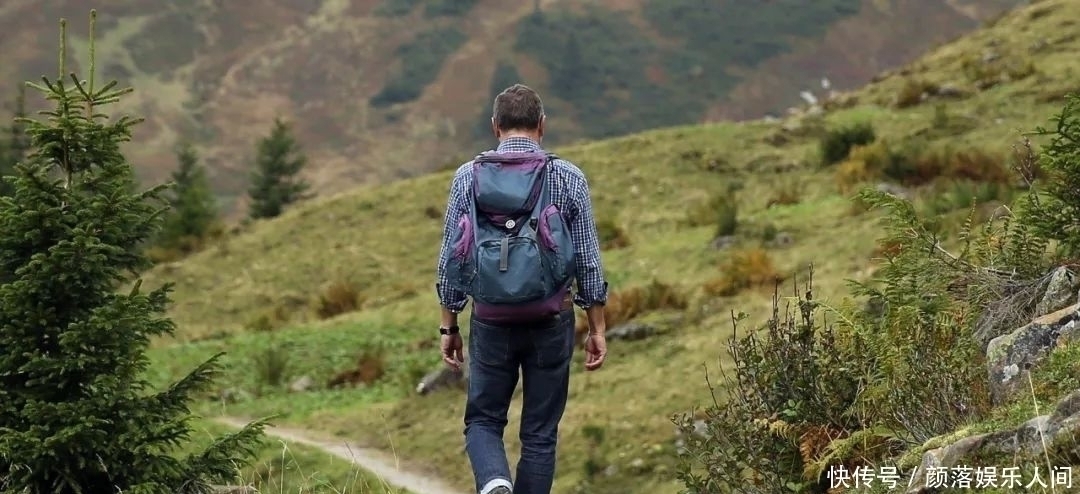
[(367, 256), (363, 77)]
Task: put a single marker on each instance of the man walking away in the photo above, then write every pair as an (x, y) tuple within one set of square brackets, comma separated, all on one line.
[(519, 230)]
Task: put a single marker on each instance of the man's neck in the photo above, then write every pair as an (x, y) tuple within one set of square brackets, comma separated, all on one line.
[(532, 137)]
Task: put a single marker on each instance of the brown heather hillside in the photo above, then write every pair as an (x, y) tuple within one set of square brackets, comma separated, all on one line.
[(347, 71)]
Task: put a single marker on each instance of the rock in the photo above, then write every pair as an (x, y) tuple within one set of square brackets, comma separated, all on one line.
[(893, 189), (1029, 439), (1019, 350), (782, 239), (1060, 292), (950, 91), (723, 242), (442, 377), (630, 331), (611, 471), (304, 383)]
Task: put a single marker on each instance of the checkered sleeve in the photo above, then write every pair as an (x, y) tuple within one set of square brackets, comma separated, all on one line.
[(452, 299), (591, 286)]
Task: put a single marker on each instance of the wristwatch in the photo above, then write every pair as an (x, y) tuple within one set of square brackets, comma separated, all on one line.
[(452, 330)]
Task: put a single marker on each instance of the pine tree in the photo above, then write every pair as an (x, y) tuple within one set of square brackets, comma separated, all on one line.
[(275, 183), (76, 413), (193, 209), (13, 149)]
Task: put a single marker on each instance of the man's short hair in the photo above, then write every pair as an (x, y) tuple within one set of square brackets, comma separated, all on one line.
[(518, 107)]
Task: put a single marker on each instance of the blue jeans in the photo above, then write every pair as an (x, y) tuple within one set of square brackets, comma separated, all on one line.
[(542, 351)]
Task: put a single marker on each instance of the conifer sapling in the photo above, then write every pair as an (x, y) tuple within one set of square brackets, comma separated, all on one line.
[(275, 183), (76, 414)]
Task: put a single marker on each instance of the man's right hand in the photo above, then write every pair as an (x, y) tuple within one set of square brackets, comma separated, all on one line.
[(595, 351), (451, 348)]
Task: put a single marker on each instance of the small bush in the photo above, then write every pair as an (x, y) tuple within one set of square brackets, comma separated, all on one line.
[(721, 210), (1054, 214), (951, 195), (913, 92), (269, 320), (271, 366), (784, 194), (595, 461), (743, 269), (914, 164), (370, 367), (433, 212), (835, 145), (625, 305), (967, 164), (611, 235), (337, 298), (987, 72), (864, 163)]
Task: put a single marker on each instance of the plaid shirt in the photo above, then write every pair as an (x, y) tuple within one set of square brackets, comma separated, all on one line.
[(569, 191)]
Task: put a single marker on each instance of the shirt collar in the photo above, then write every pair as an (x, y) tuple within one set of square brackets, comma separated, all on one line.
[(517, 145)]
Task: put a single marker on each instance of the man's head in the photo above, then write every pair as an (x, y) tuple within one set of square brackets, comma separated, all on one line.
[(518, 111)]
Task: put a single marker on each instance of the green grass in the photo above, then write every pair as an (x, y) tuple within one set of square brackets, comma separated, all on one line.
[(284, 467), (384, 240)]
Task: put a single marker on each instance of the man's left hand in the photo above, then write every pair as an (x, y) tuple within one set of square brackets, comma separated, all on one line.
[(452, 352)]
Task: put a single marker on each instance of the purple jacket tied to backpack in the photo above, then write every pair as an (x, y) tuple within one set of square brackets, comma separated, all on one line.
[(512, 253)]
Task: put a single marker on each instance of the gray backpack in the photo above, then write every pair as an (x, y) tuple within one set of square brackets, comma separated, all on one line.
[(512, 254)]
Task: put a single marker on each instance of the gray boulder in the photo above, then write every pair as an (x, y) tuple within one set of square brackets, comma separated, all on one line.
[(1011, 354)]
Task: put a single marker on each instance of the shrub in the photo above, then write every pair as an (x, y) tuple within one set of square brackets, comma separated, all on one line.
[(1055, 206), (887, 375), (966, 164), (915, 163), (337, 298), (721, 210), (370, 367), (808, 395), (835, 144), (625, 305), (271, 365), (951, 195), (611, 235), (742, 269), (269, 320), (912, 93), (987, 72), (784, 194), (864, 163)]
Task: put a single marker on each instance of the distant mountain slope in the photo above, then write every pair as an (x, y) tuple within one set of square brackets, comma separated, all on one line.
[(382, 89)]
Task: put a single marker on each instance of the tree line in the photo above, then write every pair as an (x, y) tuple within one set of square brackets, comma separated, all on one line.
[(194, 215)]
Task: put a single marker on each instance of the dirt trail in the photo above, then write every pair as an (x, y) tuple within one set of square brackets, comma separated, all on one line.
[(377, 462)]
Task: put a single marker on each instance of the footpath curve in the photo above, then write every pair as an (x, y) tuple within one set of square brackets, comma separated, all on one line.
[(377, 462)]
